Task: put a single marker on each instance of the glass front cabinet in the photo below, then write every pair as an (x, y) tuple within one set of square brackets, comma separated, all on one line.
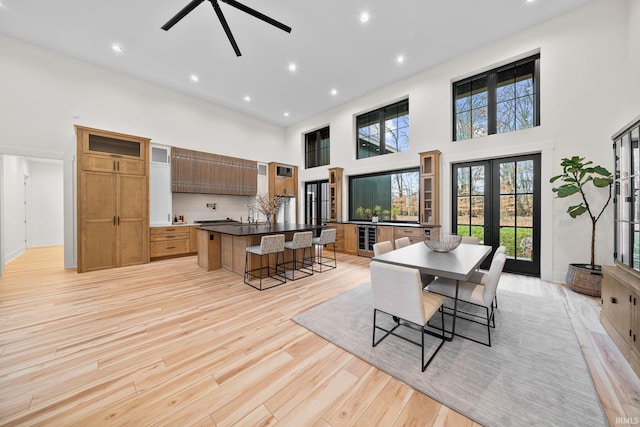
[(627, 196)]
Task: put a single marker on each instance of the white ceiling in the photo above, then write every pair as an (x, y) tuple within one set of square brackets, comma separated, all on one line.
[(330, 46)]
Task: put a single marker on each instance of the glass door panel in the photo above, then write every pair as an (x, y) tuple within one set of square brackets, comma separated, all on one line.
[(316, 209), (497, 201)]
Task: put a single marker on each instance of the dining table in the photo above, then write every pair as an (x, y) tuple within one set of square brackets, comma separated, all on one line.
[(457, 264)]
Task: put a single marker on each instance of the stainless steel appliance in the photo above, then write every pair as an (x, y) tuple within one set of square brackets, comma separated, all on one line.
[(366, 239)]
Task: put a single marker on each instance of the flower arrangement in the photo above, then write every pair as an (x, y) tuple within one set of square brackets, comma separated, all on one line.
[(268, 206)]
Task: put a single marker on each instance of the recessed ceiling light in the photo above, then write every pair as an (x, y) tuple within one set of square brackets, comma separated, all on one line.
[(116, 48), (400, 59), (293, 67), (194, 78), (364, 17), (247, 98), (334, 92), (286, 114)]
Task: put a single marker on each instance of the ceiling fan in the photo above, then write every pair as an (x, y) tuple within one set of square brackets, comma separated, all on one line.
[(194, 3)]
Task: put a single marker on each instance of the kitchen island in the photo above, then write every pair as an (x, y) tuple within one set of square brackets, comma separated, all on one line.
[(223, 246)]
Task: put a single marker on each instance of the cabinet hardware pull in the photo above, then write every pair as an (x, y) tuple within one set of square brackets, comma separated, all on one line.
[(114, 220), (614, 300), (171, 237), (118, 219), (171, 247)]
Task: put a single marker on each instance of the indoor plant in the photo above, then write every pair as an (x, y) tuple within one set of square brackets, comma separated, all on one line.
[(576, 175)]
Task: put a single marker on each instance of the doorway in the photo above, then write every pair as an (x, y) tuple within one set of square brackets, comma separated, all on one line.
[(316, 202), (498, 201)]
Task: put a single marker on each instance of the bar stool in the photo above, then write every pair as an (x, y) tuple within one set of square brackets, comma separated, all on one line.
[(301, 240), (327, 237), (270, 244)]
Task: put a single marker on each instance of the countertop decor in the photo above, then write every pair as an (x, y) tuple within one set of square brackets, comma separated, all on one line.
[(268, 206)]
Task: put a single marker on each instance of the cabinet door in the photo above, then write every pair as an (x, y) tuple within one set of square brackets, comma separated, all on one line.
[(160, 196), (130, 166), (635, 322), (193, 239), (385, 233), (97, 221), (351, 239), (132, 231)]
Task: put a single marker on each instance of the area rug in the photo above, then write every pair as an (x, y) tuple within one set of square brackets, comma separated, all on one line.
[(534, 373)]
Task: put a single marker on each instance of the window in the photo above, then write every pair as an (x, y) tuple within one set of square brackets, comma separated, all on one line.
[(316, 146), (501, 100), (393, 196), (383, 131)]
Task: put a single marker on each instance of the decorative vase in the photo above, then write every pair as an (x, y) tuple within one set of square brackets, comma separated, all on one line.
[(267, 221), (581, 278)]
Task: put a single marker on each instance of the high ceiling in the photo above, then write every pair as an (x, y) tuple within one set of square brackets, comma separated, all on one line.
[(330, 46)]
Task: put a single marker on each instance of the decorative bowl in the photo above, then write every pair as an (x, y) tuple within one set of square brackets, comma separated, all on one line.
[(444, 243)]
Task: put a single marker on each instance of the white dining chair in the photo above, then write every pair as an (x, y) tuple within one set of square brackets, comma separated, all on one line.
[(397, 292), (470, 240), (382, 248), (481, 277), (402, 242), (481, 295)]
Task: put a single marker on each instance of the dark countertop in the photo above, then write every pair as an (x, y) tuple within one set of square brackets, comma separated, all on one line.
[(393, 224), (260, 229)]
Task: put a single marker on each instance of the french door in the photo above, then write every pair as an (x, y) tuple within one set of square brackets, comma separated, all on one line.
[(498, 201), (316, 203)]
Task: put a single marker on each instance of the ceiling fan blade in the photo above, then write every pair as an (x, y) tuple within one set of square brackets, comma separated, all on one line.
[(258, 15), (227, 30), (178, 16)]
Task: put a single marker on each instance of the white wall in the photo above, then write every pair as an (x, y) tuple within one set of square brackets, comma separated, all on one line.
[(15, 168), (45, 213), (585, 97)]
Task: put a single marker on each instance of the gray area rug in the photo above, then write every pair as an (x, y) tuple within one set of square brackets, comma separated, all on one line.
[(534, 373)]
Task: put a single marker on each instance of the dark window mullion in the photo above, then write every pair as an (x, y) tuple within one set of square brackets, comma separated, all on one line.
[(491, 100), (382, 131), (536, 86)]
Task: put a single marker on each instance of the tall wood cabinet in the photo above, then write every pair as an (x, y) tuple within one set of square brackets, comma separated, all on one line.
[(113, 199), (430, 188), (335, 194)]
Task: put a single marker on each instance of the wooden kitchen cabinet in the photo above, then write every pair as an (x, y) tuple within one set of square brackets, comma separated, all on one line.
[(169, 241), (351, 239), (208, 173), (173, 241), (335, 194), (430, 188), (193, 238), (283, 180), (385, 233), (620, 314), (339, 235), (113, 199)]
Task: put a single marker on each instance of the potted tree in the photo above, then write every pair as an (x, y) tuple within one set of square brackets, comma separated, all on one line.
[(576, 176)]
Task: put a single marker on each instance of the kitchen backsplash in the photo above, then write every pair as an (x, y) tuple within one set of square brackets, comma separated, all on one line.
[(194, 206)]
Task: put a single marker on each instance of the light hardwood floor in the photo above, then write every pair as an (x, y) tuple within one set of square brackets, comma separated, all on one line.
[(168, 343)]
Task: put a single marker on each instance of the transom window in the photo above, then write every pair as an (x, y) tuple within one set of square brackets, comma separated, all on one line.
[(383, 131), (502, 100), (317, 148), (392, 196)]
